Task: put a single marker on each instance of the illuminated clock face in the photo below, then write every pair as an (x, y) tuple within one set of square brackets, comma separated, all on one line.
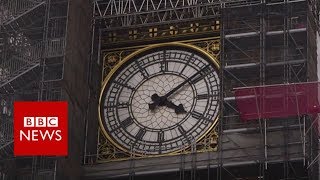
[(160, 100)]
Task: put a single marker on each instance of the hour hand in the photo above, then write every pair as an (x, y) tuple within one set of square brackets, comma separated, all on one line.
[(156, 101), (177, 109), (152, 106), (163, 101)]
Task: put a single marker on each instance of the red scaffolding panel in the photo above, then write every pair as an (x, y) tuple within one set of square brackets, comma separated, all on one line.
[(276, 101)]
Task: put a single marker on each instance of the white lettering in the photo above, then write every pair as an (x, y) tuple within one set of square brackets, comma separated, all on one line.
[(26, 136), (52, 122), (58, 133), (47, 134), (41, 121), (34, 135), (38, 134), (28, 121)]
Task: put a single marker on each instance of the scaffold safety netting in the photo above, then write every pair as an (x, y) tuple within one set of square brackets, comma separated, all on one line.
[(278, 101)]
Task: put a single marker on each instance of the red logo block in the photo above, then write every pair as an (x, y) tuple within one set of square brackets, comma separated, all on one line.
[(40, 129)]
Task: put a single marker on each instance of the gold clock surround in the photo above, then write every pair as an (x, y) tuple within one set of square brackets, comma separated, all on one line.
[(107, 79)]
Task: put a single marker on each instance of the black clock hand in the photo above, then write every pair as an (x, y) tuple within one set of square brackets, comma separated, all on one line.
[(163, 101), (177, 109), (184, 82), (156, 101), (160, 101)]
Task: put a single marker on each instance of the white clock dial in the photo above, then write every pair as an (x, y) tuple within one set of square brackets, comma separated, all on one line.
[(160, 100)]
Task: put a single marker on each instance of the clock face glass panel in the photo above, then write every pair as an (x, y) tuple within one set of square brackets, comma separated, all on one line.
[(144, 111)]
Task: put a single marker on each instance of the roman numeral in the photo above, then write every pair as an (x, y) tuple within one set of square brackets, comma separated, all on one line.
[(143, 71), (120, 105), (160, 136), (181, 130), (196, 115), (140, 134), (127, 122), (197, 79), (202, 74), (124, 85), (164, 63), (184, 133), (188, 61), (206, 96), (202, 96)]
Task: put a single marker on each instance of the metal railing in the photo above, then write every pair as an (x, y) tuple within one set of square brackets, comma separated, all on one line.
[(6, 124), (12, 9), (55, 47), (20, 63)]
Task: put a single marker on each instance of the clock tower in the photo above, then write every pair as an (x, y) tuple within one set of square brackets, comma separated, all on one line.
[(166, 103), (159, 90)]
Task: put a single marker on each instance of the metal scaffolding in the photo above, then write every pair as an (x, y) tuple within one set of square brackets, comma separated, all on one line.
[(272, 39), (273, 42), (32, 46)]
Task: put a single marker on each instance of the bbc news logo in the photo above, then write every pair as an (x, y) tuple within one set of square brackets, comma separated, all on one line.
[(40, 134), (40, 122), (40, 128)]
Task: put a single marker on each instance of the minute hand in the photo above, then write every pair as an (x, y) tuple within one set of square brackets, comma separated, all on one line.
[(184, 82)]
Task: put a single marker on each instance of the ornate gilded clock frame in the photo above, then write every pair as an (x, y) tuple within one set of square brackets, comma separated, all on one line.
[(113, 56), (108, 150)]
